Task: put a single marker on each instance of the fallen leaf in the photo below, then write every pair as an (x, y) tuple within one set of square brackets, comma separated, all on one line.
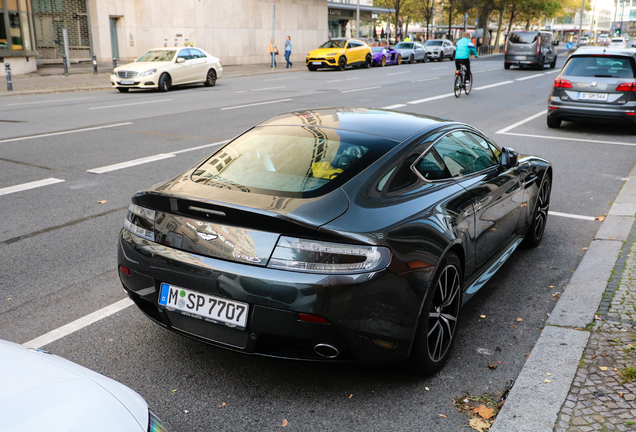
[(598, 318), (485, 412), (548, 374), (174, 391), (285, 422), (499, 362), (603, 368), (102, 202), (620, 394), (527, 354), (546, 381), (584, 248), (426, 388), (350, 396), (479, 425), (442, 415), (551, 286), (514, 326), (186, 411), (600, 218), (519, 319), (222, 405), (492, 366), (482, 316)]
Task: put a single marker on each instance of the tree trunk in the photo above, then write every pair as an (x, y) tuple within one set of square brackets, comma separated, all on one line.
[(450, 18), (501, 12), (513, 14)]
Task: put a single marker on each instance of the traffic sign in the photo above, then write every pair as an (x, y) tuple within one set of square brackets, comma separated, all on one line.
[(569, 45)]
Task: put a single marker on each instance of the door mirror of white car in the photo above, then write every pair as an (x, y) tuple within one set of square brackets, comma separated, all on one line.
[(180, 60)]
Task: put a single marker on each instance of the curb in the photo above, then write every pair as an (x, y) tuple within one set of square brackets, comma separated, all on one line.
[(533, 403)]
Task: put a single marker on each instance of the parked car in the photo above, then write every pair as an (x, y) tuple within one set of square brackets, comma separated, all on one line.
[(340, 53), (383, 56), (41, 391), (619, 42), (596, 84), (333, 234), (585, 40), (439, 49), (163, 68), (530, 48), (411, 51)]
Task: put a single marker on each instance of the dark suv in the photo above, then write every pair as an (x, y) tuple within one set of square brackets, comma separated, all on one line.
[(530, 48), (595, 84)]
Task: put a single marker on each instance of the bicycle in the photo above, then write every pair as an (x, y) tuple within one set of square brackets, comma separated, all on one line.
[(460, 82)]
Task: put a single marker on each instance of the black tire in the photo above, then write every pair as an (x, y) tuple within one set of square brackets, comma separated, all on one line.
[(452, 58), (441, 57), (412, 59), (553, 123), (435, 335), (368, 62), (457, 88), (312, 68), (164, 83), (540, 215), (541, 64), (342, 63), (399, 59), (210, 79), (383, 61), (506, 66), (553, 64), (468, 86), (123, 89)]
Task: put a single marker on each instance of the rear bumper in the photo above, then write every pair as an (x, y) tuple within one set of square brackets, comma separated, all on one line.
[(372, 317), (515, 60), (625, 114)]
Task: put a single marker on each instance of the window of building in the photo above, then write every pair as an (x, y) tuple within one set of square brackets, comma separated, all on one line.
[(15, 27)]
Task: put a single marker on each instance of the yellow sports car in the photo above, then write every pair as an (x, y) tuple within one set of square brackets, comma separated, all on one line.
[(340, 53)]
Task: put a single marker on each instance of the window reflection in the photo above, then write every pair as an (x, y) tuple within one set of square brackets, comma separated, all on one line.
[(3, 32), (15, 30)]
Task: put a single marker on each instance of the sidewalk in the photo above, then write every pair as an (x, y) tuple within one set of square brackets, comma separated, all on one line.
[(581, 374)]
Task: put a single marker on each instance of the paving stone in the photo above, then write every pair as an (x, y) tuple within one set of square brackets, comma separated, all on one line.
[(579, 421)]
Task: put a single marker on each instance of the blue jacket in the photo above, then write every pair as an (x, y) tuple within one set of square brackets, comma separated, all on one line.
[(464, 49)]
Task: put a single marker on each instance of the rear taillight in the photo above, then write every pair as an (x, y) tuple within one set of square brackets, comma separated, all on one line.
[(561, 83), (627, 87), (141, 221), (506, 48)]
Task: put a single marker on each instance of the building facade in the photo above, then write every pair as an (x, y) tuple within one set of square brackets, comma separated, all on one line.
[(624, 18)]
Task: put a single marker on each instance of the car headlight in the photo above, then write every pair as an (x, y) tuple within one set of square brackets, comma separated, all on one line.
[(113, 73), (155, 424), (331, 54), (149, 72), (141, 222), (312, 256)]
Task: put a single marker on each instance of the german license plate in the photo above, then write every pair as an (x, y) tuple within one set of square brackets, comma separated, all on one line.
[(210, 308), (316, 63), (592, 96), (520, 57), (126, 82)]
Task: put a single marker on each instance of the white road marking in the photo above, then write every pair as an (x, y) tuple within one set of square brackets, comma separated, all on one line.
[(571, 139), (269, 88), (493, 85), (519, 123), (78, 324), (130, 104), (426, 79), (394, 106), (62, 133), (398, 73), (349, 79), (241, 91), (530, 77), (438, 68), (255, 104), (334, 81), (199, 147), (554, 71), (572, 216), (360, 89), (30, 185), (281, 79), (50, 101), (129, 164), (428, 99)]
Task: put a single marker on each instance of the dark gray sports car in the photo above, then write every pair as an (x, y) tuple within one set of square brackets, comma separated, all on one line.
[(340, 233)]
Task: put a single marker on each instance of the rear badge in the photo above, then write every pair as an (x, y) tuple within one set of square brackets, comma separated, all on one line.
[(207, 236), (594, 84)]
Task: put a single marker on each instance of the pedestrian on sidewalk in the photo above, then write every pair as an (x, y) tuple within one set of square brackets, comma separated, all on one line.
[(288, 51), (273, 51)]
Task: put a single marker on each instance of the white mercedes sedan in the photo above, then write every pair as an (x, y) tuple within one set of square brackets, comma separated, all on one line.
[(163, 68)]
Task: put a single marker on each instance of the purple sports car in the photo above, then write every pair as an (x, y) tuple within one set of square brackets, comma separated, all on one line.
[(383, 56)]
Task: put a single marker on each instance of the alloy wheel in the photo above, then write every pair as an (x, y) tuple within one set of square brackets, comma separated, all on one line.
[(543, 205), (443, 313)]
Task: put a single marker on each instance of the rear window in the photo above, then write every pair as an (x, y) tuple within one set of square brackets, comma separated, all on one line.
[(523, 37), (291, 161), (433, 43), (600, 66), (404, 45), (618, 40)]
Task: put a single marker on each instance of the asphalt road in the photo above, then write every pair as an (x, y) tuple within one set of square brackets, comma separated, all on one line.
[(57, 241)]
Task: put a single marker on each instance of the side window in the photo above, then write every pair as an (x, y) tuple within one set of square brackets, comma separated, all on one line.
[(185, 53), (487, 145), (404, 176), (196, 53), (431, 167), (462, 155), (485, 158)]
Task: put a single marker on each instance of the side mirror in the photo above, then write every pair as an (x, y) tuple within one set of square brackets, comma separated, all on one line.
[(509, 157), (180, 60)]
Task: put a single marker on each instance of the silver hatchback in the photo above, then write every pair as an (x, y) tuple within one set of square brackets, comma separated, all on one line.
[(595, 84)]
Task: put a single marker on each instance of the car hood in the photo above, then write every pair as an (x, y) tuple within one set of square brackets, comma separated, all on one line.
[(324, 51), (142, 66), (44, 391)]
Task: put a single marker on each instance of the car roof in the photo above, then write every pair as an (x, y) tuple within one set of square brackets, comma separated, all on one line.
[(628, 52), (384, 123)]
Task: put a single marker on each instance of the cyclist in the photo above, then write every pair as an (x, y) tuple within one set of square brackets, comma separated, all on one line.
[(463, 49)]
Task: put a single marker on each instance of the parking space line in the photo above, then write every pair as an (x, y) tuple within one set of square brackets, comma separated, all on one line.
[(572, 139), (393, 106), (268, 88), (426, 79), (554, 71), (241, 91), (438, 68), (62, 133), (199, 147), (349, 79), (530, 77), (50, 101), (281, 79), (519, 123), (254, 104), (493, 85), (135, 162), (30, 185), (360, 89), (330, 81), (571, 216), (78, 324), (398, 73), (130, 104), (428, 99)]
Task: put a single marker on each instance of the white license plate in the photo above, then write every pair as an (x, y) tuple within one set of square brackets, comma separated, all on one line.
[(210, 308), (126, 82), (592, 96), (520, 57), (316, 63)]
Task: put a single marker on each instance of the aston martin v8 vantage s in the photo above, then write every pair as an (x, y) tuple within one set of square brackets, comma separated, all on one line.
[(333, 234)]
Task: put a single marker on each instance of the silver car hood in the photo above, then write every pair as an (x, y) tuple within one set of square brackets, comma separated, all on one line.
[(41, 391)]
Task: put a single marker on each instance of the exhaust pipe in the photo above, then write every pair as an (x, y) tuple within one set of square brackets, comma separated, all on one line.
[(326, 350)]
